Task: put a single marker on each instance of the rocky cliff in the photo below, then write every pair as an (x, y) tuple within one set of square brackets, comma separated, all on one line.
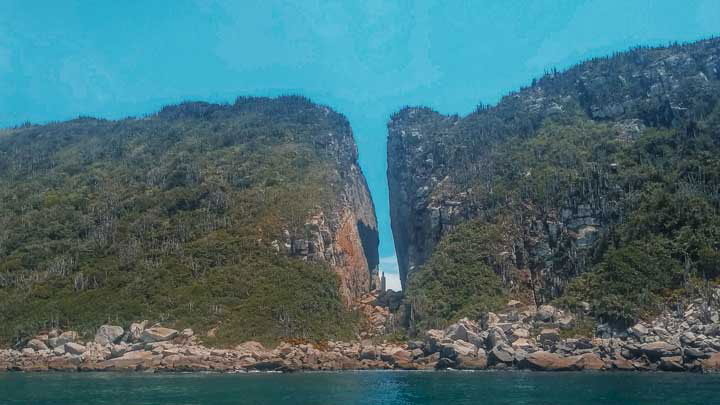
[(223, 217), (557, 168), (346, 238)]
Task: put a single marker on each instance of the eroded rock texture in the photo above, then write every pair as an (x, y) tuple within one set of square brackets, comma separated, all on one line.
[(440, 168), (347, 237)]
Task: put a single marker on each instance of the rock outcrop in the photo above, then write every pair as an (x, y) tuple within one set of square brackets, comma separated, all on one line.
[(440, 168), (347, 239), (107, 334)]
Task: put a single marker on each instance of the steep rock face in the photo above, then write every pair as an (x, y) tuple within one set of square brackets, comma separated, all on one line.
[(441, 168), (418, 218), (346, 238)]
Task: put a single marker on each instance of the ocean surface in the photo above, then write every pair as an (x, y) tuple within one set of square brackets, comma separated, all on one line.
[(376, 387)]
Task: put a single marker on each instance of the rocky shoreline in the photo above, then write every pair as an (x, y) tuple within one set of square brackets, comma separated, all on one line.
[(519, 337)]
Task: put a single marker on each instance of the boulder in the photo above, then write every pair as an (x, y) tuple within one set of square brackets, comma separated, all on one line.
[(693, 353), (491, 319), (433, 337), (590, 361), (495, 337), (158, 334), (660, 349), (95, 353), (501, 353), (672, 363), (711, 330), (712, 363), (456, 331), (65, 337), (134, 334), (119, 350), (369, 353), (522, 343), (688, 338), (184, 363), (639, 330), (64, 363), (75, 348), (521, 333), (546, 361), (662, 332), (545, 313), (520, 355), (471, 362), (131, 361), (583, 343), (444, 363), (622, 364), (387, 352), (186, 337), (37, 344), (475, 339), (448, 352), (505, 326), (715, 317), (463, 348), (407, 365), (108, 334), (402, 357)]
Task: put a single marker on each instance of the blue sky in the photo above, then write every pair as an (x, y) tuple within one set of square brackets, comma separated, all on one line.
[(366, 59)]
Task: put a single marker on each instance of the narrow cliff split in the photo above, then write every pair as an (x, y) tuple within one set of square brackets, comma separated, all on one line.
[(346, 237), (585, 187), (417, 222), (249, 221)]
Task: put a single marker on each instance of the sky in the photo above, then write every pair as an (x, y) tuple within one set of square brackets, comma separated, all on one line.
[(365, 59)]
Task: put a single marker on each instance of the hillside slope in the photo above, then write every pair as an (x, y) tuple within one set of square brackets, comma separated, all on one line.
[(597, 185), (254, 217)]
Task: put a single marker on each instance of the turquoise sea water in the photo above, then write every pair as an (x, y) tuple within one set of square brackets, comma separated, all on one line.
[(488, 388)]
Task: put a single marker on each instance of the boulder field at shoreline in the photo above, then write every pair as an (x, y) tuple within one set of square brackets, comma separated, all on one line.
[(518, 337)]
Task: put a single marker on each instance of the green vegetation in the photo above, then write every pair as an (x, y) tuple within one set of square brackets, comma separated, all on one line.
[(171, 218), (459, 279), (670, 227), (659, 196), (606, 175)]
